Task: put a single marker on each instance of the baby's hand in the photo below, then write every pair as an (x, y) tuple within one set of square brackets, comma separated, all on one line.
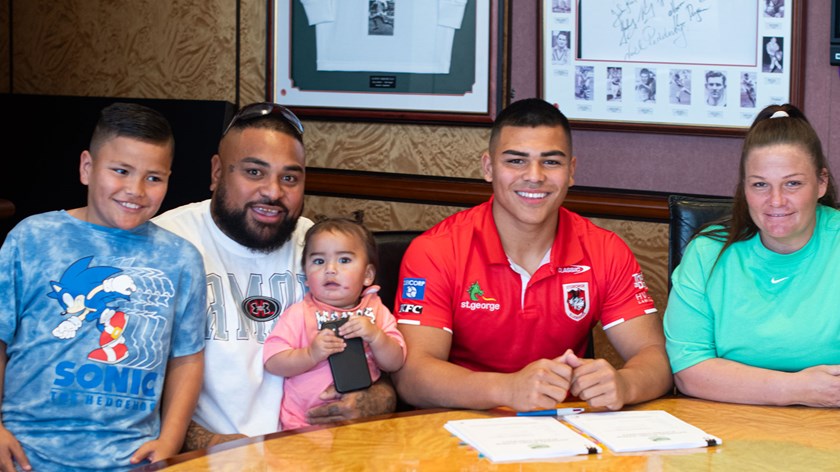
[(360, 327), (325, 344)]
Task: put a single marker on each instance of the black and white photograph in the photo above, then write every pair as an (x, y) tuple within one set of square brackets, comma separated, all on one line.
[(748, 90), (560, 47), (679, 92), (560, 6), (646, 85), (774, 8), (585, 83), (715, 88), (773, 56), (614, 84), (381, 18)]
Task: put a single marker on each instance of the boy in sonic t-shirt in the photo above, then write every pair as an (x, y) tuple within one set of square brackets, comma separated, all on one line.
[(102, 325)]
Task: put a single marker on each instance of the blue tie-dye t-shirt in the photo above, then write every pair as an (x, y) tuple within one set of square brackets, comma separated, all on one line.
[(90, 316)]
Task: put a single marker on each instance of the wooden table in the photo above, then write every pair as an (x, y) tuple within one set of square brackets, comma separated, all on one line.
[(755, 438)]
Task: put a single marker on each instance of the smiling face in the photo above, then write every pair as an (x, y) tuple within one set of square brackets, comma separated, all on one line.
[(127, 181), (337, 268), (257, 183), (782, 188), (531, 169)]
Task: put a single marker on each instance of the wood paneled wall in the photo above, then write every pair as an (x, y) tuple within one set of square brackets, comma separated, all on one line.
[(188, 49)]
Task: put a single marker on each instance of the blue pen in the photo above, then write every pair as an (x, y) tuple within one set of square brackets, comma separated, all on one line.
[(554, 412)]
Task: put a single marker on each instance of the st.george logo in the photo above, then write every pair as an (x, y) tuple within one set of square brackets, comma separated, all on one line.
[(476, 293)]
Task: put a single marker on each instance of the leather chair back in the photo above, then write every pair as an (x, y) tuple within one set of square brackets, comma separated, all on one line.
[(391, 246), (687, 215)]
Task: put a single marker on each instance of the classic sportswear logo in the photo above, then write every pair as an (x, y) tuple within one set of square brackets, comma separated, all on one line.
[(774, 280), (573, 269)]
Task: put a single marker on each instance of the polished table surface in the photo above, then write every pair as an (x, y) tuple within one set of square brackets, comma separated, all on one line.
[(754, 438)]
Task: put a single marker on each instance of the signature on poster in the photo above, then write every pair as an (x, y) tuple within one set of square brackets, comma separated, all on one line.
[(645, 24)]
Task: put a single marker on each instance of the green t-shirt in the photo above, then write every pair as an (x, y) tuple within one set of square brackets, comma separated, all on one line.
[(758, 307)]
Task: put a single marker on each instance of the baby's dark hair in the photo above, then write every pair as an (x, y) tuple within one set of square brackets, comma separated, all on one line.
[(346, 226)]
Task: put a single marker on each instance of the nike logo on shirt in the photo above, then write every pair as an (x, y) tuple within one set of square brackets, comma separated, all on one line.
[(774, 280)]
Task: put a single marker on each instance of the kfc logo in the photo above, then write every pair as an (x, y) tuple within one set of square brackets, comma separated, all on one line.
[(409, 308)]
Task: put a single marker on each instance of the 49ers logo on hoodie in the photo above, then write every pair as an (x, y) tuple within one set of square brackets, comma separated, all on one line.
[(576, 298)]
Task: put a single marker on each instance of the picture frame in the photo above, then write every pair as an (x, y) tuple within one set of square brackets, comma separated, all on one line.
[(691, 67), (388, 60)]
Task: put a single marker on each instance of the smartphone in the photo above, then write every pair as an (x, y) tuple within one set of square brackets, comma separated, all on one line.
[(349, 367)]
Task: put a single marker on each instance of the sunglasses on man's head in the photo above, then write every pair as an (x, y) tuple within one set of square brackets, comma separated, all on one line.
[(257, 110)]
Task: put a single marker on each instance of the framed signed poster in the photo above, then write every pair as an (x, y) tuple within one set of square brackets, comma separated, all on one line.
[(400, 60), (688, 66)]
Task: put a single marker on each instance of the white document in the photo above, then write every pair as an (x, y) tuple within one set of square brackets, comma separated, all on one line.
[(521, 438), (629, 431)]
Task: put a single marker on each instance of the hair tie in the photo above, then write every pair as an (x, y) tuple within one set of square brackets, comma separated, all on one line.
[(780, 114)]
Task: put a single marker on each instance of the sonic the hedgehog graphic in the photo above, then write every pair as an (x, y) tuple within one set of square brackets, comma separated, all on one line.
[(83, 290)]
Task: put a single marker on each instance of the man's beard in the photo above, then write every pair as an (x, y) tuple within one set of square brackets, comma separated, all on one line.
[(254, 235)]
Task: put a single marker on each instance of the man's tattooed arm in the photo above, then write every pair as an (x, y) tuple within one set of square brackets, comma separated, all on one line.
[(200, 438)]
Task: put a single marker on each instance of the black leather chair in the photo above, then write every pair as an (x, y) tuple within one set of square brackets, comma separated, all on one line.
[(687, 215), (391, 246)]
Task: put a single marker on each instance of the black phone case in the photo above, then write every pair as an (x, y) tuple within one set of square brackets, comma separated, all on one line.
[(349, 367)]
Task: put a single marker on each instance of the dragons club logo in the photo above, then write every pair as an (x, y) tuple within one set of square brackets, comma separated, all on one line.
[(576, 298)]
